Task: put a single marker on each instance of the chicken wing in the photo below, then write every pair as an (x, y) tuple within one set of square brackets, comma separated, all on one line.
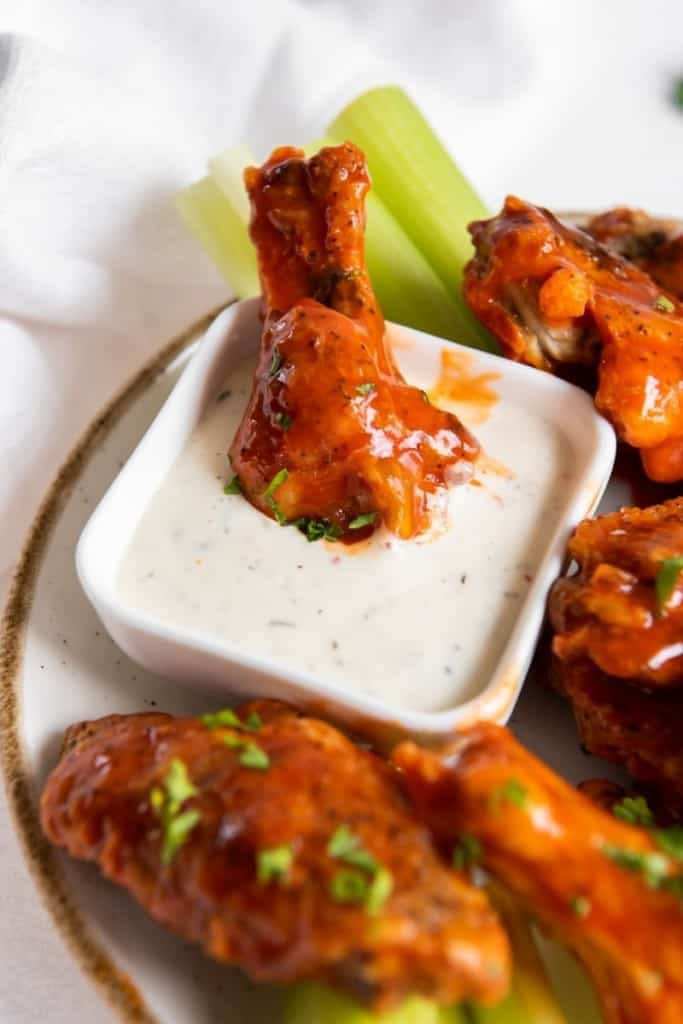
[(612, 892), (610, 612), (652, 243), (555, 297), (332, 434), (640, 730), (275, 843)]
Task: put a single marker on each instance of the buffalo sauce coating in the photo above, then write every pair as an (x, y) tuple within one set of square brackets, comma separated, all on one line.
[(553, 295), (606, 888), (431, 932), (330, 419), (609, 611)]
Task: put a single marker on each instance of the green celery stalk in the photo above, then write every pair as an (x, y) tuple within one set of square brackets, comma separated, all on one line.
[(227, 170), (420, 185), (221, 228), (311, 1003), (531, 999)]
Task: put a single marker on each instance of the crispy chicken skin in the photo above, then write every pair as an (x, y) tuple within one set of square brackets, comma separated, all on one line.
[(602, 885), (434, 933), (328, 402), (555, 297), (636, 729), (654, 244), (609, 611)]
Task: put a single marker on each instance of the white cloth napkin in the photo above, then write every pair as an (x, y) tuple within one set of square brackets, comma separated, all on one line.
[(107, 108)]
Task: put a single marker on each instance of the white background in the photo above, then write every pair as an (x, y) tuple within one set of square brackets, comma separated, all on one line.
[(106, 108)]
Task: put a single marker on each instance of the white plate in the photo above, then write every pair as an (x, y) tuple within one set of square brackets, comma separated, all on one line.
[(57, 666), (184, 653)]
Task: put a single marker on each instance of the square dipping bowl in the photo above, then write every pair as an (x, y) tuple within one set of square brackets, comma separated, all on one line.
[(387, 636)]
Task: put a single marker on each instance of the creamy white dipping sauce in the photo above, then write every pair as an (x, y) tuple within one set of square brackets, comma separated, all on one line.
[(419, 626)]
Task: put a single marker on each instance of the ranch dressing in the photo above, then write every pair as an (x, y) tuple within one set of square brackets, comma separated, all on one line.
[(418, 625)]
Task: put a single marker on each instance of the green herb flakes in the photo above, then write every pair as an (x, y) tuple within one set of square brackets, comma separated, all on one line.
[(226, 718), (275, 363), (234, 487), (349, 887), (664, 304), (467, 853), (366, 389), (283, 420), (652, 866), (167, 801), (425, 397), (317, 529), (372, 888), (274, 863), (581, 906), (670, 840), (634, 810), (512, 792), (667, 578), (255, 757), (276, 482), (367, 519), (277, 512)]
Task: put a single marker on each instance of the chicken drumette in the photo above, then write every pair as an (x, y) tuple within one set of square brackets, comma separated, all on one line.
[(332, 435), (613, 611), (612, 892), (271, 840), (555, 298)]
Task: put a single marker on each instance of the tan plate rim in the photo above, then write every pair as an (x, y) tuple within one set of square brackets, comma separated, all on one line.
[(22, 800)]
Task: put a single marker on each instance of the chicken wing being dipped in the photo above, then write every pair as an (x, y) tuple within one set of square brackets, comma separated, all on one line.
[(612, 892), (279, 846), (654, 244), (624, 608), (333, 440), (555, 298)]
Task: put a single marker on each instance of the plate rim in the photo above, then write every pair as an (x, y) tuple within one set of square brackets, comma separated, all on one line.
[(22, 799)]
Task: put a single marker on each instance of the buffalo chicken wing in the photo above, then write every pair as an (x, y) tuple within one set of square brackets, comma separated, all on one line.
[(613, 611), (332, 435), (654, 244), (555, 298), (279, 846), (612, 892)]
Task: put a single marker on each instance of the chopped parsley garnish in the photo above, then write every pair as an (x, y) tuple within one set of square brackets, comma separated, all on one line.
[(652, 866), (670, 840), (276, 482), (634, 810), (512, 792), (273, 863), (365, 389), (366, 519), (277, 512), (167, 802), (283, 420), (664, 304), (275, 363), (372, 888), (581, 906), (226, 718), (349, 887), (467, 852), (317, 529), (251, 755), (667, 578), (234, 487)]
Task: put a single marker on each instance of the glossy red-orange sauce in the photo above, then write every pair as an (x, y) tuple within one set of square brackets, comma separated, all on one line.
[(616, 317), (330, 418)]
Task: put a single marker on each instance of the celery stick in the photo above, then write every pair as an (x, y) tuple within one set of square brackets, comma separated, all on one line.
[(227, 170), (222, 231), (531, 999), (421, 187), (310, 1003)]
